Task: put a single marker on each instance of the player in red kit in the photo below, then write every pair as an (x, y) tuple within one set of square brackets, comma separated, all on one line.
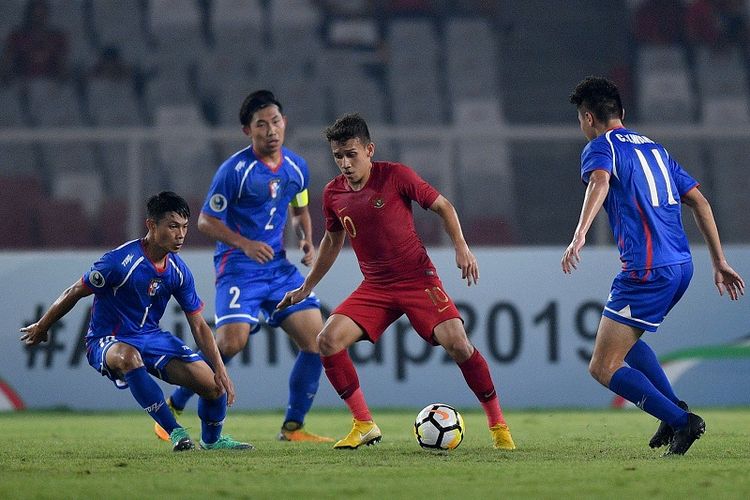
[(371, 202)]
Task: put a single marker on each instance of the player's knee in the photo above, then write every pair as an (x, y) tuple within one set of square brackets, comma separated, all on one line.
[(229, 345), (124, 359), (326, 343), (211, 391), (600, 371), (458, 349)]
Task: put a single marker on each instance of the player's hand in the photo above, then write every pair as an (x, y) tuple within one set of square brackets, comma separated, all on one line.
[(258, 251), (468, 265), (308, 249), (727, 280), (33, 334), (292, 297), (222, 380), (572, 255)]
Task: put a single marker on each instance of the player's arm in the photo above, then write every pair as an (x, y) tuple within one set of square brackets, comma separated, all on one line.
[(37, 332), (302, 224), (596, 193), (330, 247), (215, 229), (725, 277), (204, 339), (465, 260)]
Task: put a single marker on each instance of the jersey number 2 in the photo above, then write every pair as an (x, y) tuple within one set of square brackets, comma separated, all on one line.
[(648, 171)]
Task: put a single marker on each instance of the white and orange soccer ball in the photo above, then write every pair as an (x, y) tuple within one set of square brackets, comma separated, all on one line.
[(439, 427)]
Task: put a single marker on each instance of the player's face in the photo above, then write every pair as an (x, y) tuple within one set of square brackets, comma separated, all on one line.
[(170, 232), (266, 130), (354, 160), (586, 121)]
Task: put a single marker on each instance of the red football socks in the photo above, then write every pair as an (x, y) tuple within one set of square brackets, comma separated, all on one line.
[(477, 375), (343, 377)]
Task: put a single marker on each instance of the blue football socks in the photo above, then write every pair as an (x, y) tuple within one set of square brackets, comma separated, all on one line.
[(149, 395), (643, 358), (180, 397), (303, 385), (636, 388), (212, 413)]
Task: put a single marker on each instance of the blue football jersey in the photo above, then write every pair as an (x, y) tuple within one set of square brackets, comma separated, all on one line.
[(252, 198), (643, 203), (131, 294)]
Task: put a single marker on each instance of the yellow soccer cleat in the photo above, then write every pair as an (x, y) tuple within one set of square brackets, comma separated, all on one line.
[(161, 433), (364, 432), (293, 431), (501, 438)]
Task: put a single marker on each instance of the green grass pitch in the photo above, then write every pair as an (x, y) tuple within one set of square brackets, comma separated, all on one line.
[(561, 454)]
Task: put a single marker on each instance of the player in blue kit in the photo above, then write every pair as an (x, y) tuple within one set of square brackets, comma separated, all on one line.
[(132, 285), (245, 212), (641, 187)]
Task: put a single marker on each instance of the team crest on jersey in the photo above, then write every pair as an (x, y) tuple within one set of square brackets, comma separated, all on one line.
[(218, 203), (377, 201), (97, 279), (273, 187), (153, 286)]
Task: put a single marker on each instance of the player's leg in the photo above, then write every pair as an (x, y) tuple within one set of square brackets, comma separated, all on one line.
[(125, 362), (613, 341), (230, 339), (451, 335), (337, 335), (638, 301), (303, 327), (212, 402)]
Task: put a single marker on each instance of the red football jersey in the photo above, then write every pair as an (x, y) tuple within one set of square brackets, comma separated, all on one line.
[(379, 221)]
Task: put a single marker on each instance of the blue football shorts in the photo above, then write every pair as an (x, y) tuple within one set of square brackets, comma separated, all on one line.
[(242, 295), (157, 349), (642, 299)]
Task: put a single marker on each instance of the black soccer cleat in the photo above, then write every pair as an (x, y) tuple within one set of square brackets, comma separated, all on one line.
[(664, 433), (684, 437)]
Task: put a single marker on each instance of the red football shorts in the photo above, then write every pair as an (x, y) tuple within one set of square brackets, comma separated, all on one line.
[(375, 307)]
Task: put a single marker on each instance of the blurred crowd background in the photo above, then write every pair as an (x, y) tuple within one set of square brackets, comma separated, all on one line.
[(103, 102)]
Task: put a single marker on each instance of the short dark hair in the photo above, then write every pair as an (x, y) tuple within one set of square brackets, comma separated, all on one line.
[(349, 126), (255, 101), (599, 96), (159, 205)]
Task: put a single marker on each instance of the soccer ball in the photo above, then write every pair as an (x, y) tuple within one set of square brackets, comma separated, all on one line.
[(439, 427)]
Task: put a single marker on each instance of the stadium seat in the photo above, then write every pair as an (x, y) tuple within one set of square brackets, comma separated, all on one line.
[(478, 111), (21, 195), (43, 92), (121, 23), (13, 114), (85, 187), (718, 110), (113, 103), (413, 78), (70, 16), (664, 88), (361, 94), (721, 73), (475, 76), (731, 187), (188, 161), (110, 229), (63, 224), (175, 27)]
